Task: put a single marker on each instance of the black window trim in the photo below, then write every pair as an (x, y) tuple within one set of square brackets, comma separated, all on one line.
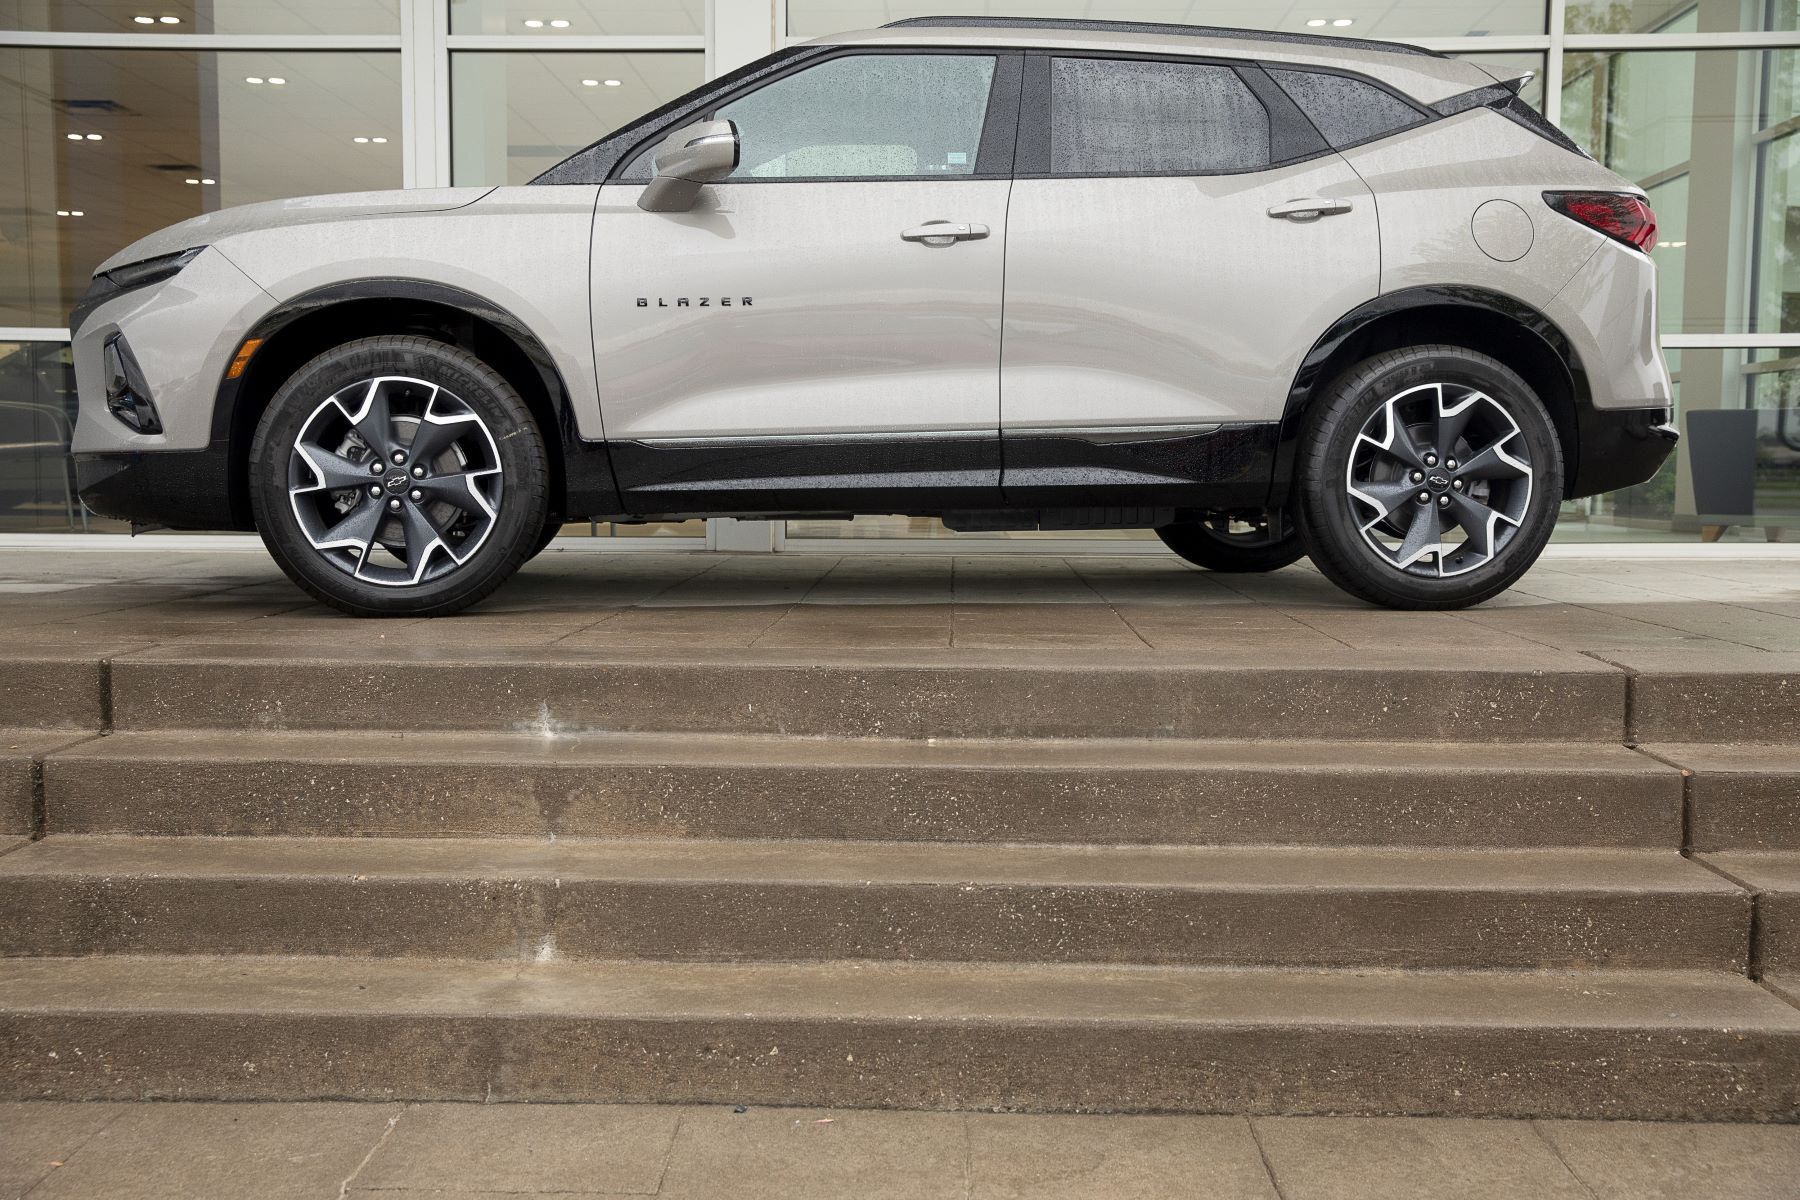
[(1427, 113), (993, 156)]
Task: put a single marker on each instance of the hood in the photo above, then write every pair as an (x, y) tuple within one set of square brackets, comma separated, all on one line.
[(247, 218)]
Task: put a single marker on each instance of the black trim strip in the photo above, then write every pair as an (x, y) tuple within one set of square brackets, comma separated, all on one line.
[(1223, 32)]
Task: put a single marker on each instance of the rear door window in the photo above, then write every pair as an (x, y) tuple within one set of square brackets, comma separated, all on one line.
[(1135, 117)]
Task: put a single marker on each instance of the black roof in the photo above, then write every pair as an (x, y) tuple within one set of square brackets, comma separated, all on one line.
[(1211, 31)]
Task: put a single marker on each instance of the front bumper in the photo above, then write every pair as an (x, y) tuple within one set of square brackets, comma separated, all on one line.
[(1619, 447), (174, 489)]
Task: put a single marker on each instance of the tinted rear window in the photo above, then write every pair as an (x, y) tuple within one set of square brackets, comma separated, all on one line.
[(1345, 110), (1126, 117)]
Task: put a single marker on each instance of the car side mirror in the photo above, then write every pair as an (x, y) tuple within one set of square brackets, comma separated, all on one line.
[(688, 159)]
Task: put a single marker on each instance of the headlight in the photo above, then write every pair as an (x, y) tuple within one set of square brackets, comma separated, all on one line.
[(125, 278)]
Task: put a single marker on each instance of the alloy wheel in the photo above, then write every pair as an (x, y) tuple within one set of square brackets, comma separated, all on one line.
[(395, 481), (1439, 480)]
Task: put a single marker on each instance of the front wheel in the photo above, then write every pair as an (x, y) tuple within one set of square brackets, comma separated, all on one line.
[(1236, 543), (1429, 478), (398, 476)]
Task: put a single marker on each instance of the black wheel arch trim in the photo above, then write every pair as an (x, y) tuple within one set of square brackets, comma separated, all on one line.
[(1316, 373), (582, 468)]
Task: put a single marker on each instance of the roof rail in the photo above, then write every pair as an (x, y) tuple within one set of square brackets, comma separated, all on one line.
[(1211, 31)]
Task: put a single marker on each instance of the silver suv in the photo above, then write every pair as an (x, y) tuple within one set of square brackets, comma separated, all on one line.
[(1269, 295)]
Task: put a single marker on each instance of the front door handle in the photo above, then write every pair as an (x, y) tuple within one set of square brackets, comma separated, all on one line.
[(1309, 208), (942, 233)]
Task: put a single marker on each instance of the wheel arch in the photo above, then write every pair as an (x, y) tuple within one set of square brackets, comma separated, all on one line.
[(313, 322), (1489, 322)]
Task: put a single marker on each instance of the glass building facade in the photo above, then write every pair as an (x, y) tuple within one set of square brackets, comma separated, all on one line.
[(120, 116)]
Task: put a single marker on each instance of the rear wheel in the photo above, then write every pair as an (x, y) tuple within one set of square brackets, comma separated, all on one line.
[(1236, 543), (1430, 478), (398, 476)]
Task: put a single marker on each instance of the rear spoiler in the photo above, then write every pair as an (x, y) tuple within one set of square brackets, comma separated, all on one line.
[(1504, 99)]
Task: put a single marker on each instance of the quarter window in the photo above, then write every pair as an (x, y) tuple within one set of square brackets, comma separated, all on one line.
[(1130, 117), (1345, 110), (865, 116)]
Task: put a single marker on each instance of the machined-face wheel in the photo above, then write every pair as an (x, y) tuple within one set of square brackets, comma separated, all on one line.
[(1439, 479), (395, 481)]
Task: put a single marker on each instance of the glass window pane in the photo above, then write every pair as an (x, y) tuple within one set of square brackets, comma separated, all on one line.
[(1688, 127), (1679, 16), (128, 141), (1356, 18), (205, 16), (866, 116), (37, 411), (1118, 117), (515, 114), (539, 18), (1346, 110)]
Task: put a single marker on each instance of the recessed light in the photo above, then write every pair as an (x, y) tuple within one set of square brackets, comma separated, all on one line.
[(93, 137), (379, 141), (209, 182), (1316, 22), (1341, 22), (194, 181), (277, 80), (170, 20), (612, 83), (76, 212), (559, 24), (590, 83), (145, 20), (253, 79), (534, 24), (73, 137), (360, 141), (63, 212)]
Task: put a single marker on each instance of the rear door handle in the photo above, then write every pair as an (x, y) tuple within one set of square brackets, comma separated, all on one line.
[(1309, 208), (942, 233)]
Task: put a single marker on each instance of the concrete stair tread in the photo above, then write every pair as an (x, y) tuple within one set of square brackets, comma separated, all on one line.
[(960, 993), (1736, 758), (1005, 754), (1764, 870), (1242, 868)]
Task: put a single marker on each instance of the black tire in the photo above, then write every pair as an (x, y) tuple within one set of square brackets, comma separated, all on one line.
[(552, 527), (1267, 543), (443, 532), (1511, 463)]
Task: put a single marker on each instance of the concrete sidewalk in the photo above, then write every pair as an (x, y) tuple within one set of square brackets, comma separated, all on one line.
[(404, 1152)]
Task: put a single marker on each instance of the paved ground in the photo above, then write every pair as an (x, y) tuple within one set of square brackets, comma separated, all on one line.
[(395, 1152), (1129, 604)]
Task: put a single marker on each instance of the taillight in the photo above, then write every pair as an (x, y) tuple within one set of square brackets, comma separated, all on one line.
[(1616, 214)]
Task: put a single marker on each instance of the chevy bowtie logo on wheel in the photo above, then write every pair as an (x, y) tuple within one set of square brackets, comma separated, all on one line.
[(395, 482), (1439, 481)]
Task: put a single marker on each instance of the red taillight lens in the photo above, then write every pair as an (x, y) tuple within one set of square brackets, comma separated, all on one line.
[(1616, 214)]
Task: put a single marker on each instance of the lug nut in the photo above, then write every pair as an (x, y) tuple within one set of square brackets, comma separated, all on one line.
[(1443, 502), (1431, 460), (417, 494), (1451, 463), (418, 472), (394, 504), (375, 467), (1457, 484), (1418, 477), (1424, 497), (374, 491), (399, 456)]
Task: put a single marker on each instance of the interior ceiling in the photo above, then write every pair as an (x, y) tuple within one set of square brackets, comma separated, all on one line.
[(1371, 18)]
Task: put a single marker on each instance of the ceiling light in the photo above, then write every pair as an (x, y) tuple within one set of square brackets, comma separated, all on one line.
[(253, 79), (559, 24), (612, 83), (379, 141), (534, 24), (145, 20), (93, 137), (170, 20), (590, 83), (76, 212), (360, 141), (73, 137), (1341, 22), (277, 80), (194, 181), (62, 212), (1316, 22), (209, 182)]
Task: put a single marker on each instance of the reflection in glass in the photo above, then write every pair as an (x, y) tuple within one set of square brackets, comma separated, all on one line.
[(1678, 16), (514, 114), (1351, 18), (204, 16), (37, 412), (135, 140), (542, 18)]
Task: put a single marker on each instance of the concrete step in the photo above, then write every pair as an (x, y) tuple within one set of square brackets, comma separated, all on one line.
[(21, 756), (1741, 797), (56, 687), (1643, 1044), (1355, 695), (1090, 790), (1775, 879), (1717, 694), (531, 900)]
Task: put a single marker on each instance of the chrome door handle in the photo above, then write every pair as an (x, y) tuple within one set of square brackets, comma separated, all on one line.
[(1309, 208), (942, 233)]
